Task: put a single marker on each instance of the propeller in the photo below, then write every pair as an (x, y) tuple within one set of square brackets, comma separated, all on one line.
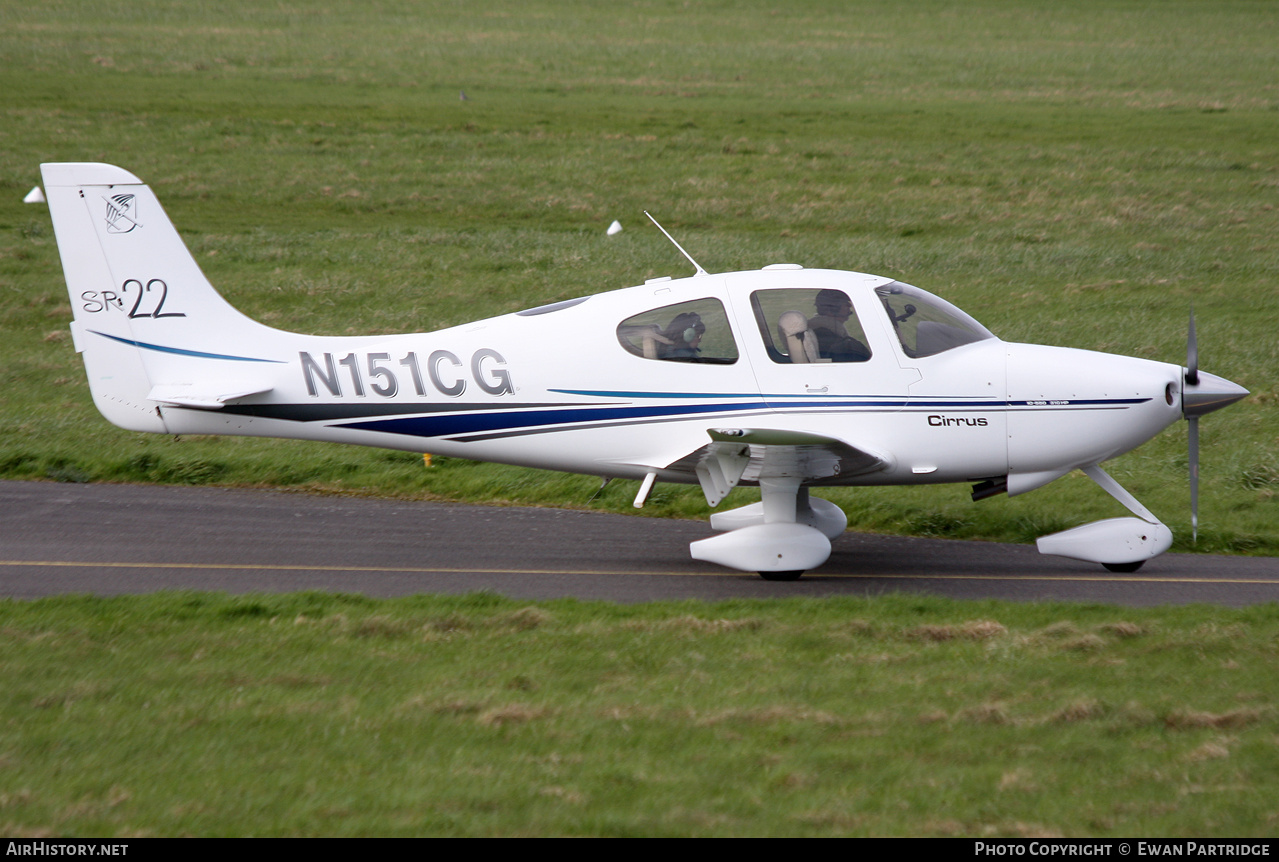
[(1201, 393), (1192, 379), (1192, 353)]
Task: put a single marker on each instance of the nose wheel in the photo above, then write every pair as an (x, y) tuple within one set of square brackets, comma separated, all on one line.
[(781, 576)]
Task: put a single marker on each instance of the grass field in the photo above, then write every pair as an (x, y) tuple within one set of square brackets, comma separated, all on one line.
[(1075, 174), (314, 714)]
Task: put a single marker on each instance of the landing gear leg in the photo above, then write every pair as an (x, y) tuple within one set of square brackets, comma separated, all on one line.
[(771, 540)]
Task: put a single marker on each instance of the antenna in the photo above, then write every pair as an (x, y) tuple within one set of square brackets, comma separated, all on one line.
[(697, 266)]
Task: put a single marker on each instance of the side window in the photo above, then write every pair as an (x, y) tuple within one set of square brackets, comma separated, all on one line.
[(809, 325), (695, 331)]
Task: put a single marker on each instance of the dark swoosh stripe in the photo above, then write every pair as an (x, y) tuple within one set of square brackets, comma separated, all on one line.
[(330, 412), (444, 426)]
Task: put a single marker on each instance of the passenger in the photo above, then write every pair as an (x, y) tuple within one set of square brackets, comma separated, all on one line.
[(683, 336), (833, 341)]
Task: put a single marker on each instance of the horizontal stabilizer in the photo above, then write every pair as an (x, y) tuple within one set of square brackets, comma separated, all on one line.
[(200, 397)]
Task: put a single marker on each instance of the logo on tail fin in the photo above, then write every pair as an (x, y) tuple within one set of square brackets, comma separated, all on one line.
[(122, 211)]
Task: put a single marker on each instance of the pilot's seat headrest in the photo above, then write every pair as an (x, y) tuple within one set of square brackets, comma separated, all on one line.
[(800, 344), (792, 323)]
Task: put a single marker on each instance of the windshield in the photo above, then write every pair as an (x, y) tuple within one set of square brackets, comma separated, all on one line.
[(925, 324)]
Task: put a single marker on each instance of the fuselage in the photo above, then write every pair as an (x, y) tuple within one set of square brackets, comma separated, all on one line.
[(576, 387)]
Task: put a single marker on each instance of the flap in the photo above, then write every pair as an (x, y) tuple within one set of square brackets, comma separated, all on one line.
[(779, 452), (736, 455), (749, 454)]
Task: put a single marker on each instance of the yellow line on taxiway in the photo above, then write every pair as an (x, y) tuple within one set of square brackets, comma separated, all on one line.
[(1131, 579)]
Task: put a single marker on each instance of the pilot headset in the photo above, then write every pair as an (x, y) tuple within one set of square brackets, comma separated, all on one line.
[(692, 324)]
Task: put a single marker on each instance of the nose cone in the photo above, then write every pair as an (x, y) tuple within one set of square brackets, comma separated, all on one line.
[(1071, 408), (1208, 394)]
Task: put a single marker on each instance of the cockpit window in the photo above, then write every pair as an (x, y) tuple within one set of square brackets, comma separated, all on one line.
[(802, 325), (925, 324), (695, 331)]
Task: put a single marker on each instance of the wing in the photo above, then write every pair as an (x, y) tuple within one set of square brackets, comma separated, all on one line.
[(735, 455)]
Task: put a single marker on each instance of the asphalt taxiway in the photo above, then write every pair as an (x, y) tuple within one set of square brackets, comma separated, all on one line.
[(118, 539)]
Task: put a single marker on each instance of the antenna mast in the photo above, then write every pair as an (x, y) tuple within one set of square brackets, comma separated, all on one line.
[(697, 266)]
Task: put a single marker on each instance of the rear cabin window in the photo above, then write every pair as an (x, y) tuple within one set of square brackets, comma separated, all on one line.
[(695, 331), (805, 325)]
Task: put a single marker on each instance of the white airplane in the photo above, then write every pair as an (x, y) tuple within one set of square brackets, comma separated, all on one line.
[(786, 378)]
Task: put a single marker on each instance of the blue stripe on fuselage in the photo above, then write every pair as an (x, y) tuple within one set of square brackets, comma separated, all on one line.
[(160, 348), (532, 421), (447, 425)]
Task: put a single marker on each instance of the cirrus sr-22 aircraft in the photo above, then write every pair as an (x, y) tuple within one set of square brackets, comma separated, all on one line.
[(785, 378)]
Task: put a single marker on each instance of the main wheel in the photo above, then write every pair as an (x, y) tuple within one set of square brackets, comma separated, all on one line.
[(1124, 567), (781, 576)]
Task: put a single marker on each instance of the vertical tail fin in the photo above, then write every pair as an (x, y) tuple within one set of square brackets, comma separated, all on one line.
[(146, 318)]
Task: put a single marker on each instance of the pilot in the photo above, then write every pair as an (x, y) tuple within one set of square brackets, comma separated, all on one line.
[(833, 341), (682, 337)]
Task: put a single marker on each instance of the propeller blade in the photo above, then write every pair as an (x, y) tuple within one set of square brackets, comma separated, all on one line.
[(1192, 353), (1194, 476), (1201, 394)]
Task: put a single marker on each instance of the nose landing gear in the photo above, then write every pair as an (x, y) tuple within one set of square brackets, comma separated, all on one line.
[(1119, 544)]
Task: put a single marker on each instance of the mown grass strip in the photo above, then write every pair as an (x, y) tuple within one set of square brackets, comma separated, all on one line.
[(318, 714)]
